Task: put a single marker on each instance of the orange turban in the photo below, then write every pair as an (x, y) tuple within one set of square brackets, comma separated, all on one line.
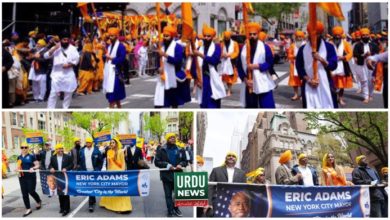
[(87, 47), (113, 31), (365, 31), (200, 36), (299, 34), (358, 34), (227, 34), (170, 30), (319, 27), (254, 27), (337, 30), (285, 157), (378, 36), (353, 36), (262, 36), (208, 30)]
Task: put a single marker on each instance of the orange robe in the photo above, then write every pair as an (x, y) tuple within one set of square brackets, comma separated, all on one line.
[(293, 81), (236, 51), (379, 73), (344, 82), (336, 179)]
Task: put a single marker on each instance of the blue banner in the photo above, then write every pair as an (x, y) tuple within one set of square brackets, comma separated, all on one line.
[(291, 201), (96, 183), (127, 139), (34, 138), (102, 136)]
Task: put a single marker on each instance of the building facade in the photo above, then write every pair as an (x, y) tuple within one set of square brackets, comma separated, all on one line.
[(378, 16), (201, 125)]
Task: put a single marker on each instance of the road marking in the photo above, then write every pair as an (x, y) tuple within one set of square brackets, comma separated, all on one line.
[(78, 208), (142, 96), (151, 80), (125, 103)]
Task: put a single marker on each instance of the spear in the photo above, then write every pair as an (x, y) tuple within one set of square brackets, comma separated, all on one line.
[(245, 6), (162, 76)]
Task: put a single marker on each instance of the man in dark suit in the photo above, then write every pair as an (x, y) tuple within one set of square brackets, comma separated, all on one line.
[(174, 159), (226, 173), (133, 155), (45, 156), (61, 162)]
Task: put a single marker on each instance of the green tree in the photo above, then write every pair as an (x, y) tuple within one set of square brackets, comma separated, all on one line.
[(328, 143), (102, 120), (185, 125), (36, 147), (360, 129), (67, 137), (155, 124), (274, 10)]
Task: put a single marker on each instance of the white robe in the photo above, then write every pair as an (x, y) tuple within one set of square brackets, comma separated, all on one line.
[(226, 64), (339, 71), (320, 97), (109, 70), (63, 80)]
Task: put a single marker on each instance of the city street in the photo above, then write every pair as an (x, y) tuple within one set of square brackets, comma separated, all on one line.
[(140, 94), (151, 206)]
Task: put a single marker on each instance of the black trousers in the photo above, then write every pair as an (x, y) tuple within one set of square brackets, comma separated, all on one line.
[(385, 85), (168, 191), (5, 88), (28, 183), (64, 203), (92, 200)]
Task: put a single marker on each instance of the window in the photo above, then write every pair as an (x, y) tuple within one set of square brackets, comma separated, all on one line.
[(41, 125), (212, 22), (221, 26), (13, 119), (3, 141), (16, 142), (31, 122), (169, 128), (21, 120)]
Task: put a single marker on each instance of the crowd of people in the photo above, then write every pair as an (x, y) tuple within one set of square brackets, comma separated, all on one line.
[(93, 63), (330, 174), (171, 156)]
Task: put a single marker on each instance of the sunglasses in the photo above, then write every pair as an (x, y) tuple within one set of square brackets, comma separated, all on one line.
[(165, 36), (252, 34), (23, 147)]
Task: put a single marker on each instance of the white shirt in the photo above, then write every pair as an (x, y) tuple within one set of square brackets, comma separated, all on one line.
[(230, 172), (132, 149), (47, 159), (306, 175), (59, 161), (53, 192), (88, 158)]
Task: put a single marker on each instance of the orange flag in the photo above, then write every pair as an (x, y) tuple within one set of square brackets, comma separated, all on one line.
[(188, 27), (249, 7), (332, 8), (167, 4), (84, 10)]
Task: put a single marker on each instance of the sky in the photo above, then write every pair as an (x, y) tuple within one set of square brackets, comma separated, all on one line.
[(220, 127), (134, 120)]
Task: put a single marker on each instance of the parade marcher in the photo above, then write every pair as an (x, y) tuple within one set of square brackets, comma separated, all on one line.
[(31, 40), (143, 59), (63, 78), (356, 38), (172, 53), (173, 158), (317, 93), (332, 174), (263, 37), (385, 175), (99, 51), (45, 155), (364, 175), (75, 153), (361, 51), (256, 92), (342, 75), (116, 162), (309, 174), (283, 175), (7, 62), (87, 69), (28, 180), (230, 52), (227, 173), (257, 176), (61, 162), (199, 163), (91, 159), (133, 155), (294, 80), (212, 90), (113, 82), (371, 61), (4, 164), (39, 71)]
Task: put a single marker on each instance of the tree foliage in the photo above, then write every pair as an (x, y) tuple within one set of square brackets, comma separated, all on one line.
[(155, 124), (329, 143), (274, 10), (360, 129), (185, 125), (67, 136)]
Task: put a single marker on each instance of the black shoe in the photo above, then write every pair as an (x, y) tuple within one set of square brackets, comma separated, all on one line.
[(65, 213), (27, 213), (39, 206), (177, 212), (91, 208), (61, 211), (170, 215)]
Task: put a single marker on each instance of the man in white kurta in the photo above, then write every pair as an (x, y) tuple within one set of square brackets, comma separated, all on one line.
[(63, 78)]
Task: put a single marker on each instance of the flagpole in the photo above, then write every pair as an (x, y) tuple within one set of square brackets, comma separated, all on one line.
[(313, 36), (159, 40), (248, 51)]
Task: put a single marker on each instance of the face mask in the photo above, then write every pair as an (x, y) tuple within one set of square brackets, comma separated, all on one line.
[(64, 45), (365, 39), (337, 41)]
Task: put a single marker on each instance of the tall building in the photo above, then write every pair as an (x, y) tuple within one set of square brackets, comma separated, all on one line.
[(235, 143), (271, 135), (201, 125), (50, 122), (378, 16), (358, 16)]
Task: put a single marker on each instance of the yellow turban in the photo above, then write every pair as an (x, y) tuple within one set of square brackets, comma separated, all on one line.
[(88, 140), (199, 159), (364, 31), (384, 170), (319, 27), (256, 172), (170, 30), (151, 142), (254, 27), (285, 157), (299, 34), (302, 155), (262, 36), (31, 33), (227, 34), (58, 146), (207, 30), (337, 30), (358, 158), (118, 142), (41, 42), (169, 135), (113, 31), (231, 153), (24, 144), (76, 139)]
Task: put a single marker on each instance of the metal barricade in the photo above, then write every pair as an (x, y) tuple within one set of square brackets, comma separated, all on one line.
[(151, 66)]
